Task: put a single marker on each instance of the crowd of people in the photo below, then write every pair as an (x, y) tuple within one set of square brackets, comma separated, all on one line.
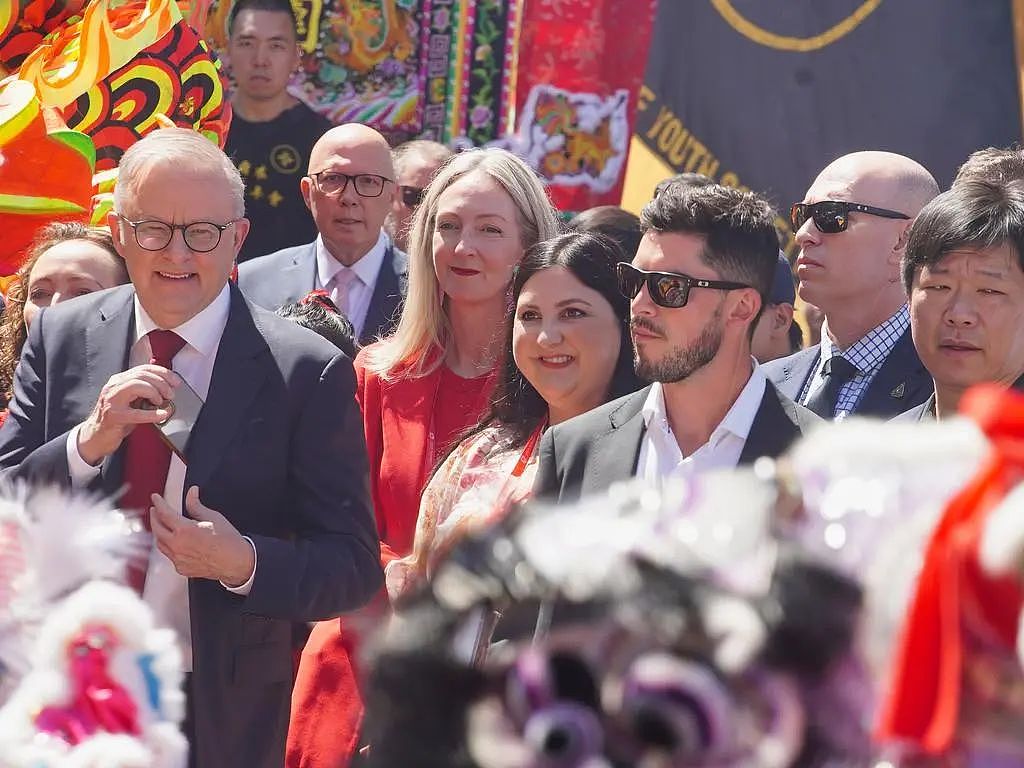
[(392, 348)]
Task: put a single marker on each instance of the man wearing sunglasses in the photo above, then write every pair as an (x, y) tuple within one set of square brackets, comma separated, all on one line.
[(852, 227), (698, 283), (416, 162), (349, 189)]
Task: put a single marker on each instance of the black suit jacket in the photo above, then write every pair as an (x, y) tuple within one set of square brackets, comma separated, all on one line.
[(587, 454), (901, 383), (280, 278), (278, 449)]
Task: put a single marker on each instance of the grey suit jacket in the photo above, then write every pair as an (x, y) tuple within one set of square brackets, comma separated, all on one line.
[(919, 413), (590, 452), (287, 275), (901, 383), (278, 449)]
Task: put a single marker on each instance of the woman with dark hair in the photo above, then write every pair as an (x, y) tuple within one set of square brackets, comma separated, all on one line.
[(567, 351)]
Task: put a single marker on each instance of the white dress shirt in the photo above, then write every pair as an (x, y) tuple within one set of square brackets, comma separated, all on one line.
[(364, 280), (166, 591), (660, 456)]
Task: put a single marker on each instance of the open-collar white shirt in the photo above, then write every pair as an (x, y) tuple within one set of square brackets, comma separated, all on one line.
[(660, 455), (166, 591), (365, 272)]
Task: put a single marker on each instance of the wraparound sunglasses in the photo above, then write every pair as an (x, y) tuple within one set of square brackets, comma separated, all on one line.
[(831, 216), (667, 289)]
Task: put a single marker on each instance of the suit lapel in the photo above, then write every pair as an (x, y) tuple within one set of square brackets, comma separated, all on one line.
[(238, 373), (901, 382), (615, 454), (299, 277), (387, 295), (796, 370), (775, 427), (107, 347)]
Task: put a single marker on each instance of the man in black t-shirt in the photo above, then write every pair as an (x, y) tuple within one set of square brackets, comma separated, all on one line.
[(272, 132)]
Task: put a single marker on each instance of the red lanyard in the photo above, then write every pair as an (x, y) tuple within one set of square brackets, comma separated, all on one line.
[(529, 448)]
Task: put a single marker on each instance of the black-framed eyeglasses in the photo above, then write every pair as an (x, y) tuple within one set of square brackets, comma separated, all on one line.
[(411, 196), (334, 183), (667, 289), (155, 235), (831, 216)]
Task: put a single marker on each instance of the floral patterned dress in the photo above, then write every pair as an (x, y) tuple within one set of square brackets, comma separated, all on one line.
[(476, 485)]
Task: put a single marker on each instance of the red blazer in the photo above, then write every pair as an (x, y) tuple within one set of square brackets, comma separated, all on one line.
[(327, 705), (396, 422)]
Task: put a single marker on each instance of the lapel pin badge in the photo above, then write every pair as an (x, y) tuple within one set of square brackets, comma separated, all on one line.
[(900, 391)]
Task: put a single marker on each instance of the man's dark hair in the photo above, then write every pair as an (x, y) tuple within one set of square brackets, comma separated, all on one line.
[(613, 222), (972, 215), (796, 337), (274, 6), (738, 230), (992, 164), (686, 179), (319, 314)]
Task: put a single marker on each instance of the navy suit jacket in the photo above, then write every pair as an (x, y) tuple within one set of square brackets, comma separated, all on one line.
[(901, 383), (278, 449), (589, 453), (287, 275)]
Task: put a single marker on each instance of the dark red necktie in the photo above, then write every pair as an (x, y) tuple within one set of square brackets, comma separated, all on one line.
[(146, 457)]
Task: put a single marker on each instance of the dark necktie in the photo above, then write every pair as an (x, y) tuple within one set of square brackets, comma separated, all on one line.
[(146, 457), (837, 372)]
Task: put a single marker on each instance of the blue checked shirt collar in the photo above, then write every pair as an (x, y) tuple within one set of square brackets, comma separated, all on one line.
[(868, 354)]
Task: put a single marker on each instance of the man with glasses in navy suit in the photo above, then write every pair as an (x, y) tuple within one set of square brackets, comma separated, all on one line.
[(349, 189), (261, 518), (852, 230)]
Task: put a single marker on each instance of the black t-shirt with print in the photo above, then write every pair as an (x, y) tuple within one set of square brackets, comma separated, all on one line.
[(272, 157)]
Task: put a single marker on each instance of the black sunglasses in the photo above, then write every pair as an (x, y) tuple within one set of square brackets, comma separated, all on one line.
[(831, 216), (667, 289), (411, 196)]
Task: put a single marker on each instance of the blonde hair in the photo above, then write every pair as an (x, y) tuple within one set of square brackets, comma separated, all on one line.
[(424, 324)]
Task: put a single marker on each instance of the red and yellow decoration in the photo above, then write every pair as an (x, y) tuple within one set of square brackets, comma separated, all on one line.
[(45, 170), (93, 77), (24, 24), (113, 70)]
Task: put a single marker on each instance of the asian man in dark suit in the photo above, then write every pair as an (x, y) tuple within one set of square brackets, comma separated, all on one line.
[(964, 275), (697, 284), (266, 519), (852, 229), (349, 189)]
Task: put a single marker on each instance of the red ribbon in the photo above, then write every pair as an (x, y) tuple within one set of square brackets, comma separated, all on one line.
[(923, 701)]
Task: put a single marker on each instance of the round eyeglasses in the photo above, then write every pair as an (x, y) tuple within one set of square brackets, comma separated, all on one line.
[(154, 235), (334, 183)]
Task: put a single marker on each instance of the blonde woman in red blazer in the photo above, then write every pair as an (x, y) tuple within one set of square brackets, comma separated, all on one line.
[(420, 389)]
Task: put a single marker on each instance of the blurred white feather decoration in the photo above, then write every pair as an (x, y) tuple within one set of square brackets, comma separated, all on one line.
[(51, 543), (90, 680)]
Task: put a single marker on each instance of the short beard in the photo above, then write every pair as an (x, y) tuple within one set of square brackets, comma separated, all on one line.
[(682, 362)]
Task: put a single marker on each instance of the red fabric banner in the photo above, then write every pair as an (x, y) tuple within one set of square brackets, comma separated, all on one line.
[(581, 64)]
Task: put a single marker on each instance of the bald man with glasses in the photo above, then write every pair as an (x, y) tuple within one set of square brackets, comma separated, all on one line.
[(852, 230), (350, 189)]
